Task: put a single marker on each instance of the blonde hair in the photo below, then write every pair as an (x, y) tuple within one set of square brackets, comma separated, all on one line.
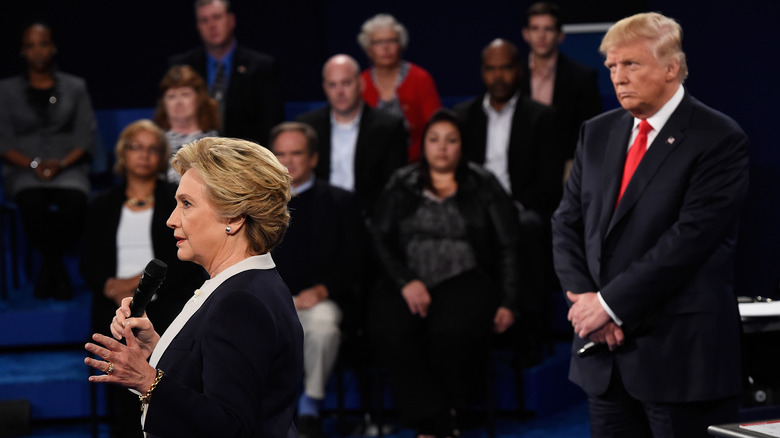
[(378, 22), (245, 179), (664, 33), (124, 142)]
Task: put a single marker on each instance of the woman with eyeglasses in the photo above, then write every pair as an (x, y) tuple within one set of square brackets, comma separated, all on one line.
[(125, 229), (395, 85)]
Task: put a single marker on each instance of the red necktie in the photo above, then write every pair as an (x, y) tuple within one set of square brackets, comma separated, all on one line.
[(635, 154)]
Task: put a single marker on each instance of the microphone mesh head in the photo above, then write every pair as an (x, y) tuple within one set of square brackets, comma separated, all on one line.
[(156, 269)]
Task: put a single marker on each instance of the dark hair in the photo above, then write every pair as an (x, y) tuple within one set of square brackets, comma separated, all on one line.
[(544, 8), (442, 115), (308, 132), (36, 22)]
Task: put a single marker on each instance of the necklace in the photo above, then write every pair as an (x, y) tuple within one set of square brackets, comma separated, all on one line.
[(135, 202)]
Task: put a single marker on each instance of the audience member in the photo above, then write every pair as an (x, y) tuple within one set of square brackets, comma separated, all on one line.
[(512, 136), (447, 236), (359, 146), (554, 79), (244, 82), (125, 229), (47, 133), (644, 243), (319, 260), (395, 85), (185, 110)]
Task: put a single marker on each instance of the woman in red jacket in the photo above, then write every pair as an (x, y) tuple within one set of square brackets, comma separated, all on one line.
[(393, 84)]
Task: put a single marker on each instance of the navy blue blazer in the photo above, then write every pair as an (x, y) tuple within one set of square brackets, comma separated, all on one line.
[(253, 104), (235, 368), (381, 149), (535, 162), (664, 259)]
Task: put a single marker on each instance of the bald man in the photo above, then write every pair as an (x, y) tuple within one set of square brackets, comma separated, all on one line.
[(359, 146)]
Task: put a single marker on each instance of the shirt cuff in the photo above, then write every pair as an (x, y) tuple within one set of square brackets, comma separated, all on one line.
[(609, 310)]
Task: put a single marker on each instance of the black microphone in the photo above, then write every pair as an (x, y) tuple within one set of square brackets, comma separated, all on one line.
[(151, 279), (592, 348)]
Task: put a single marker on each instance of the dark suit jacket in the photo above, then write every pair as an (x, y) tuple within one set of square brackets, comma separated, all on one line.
[(99, 258), (381, 149), (235, 368), (664, 259), (254, 99), (334, 254), (535, 165), (575, 96)]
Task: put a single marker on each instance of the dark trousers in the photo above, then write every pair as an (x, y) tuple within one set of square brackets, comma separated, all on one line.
[(616, 414), (427, 359), (53, 220)]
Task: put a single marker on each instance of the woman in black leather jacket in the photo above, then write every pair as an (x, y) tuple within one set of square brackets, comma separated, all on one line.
[(446, 235)]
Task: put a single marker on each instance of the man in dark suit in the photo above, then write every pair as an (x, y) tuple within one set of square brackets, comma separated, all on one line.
[(553, 79), (318, 259), (511, 135), (650, 274), (244, 82), (360, 146)]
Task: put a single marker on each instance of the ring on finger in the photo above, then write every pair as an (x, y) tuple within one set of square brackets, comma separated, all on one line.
[(110, 368)]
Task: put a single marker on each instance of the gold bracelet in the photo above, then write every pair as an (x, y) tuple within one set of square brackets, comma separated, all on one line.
[(145, 398)]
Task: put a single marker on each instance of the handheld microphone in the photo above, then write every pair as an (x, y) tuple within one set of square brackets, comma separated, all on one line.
[(591, 348), (151, 279)]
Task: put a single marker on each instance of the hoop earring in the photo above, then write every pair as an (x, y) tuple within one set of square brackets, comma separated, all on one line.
[(227, 230)]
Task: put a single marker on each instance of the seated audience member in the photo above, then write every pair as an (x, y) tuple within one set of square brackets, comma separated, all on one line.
[(393, 84), (47, 132), (512, 136), (447, 236), (125, 229), (359, 146), (318, 260), (185, 110), (244, 82), (554, 79)]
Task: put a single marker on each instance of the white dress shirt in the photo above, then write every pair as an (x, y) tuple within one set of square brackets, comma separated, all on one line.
[(499, 128), (343, 143)]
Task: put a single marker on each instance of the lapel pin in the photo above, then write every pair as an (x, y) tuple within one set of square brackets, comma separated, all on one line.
[(241, 69), (670, 140)]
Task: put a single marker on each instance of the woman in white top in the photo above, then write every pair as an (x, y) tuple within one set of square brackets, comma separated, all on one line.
[(231, 363), (185, 110)]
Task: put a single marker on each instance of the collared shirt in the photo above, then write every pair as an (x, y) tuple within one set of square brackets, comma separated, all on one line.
[(499, 129), (343, 143), (542, 80), (212, 63), (309, 183), (262, 261), (657, 121)]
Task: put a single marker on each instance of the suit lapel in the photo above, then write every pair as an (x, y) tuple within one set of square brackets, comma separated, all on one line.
[(670, 137), (612, 168)]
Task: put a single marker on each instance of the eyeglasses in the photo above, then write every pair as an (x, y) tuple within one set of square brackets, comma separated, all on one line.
[(385, 42), (137, 147)]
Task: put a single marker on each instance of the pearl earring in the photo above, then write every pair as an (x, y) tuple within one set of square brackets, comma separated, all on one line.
[(227, 230)]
